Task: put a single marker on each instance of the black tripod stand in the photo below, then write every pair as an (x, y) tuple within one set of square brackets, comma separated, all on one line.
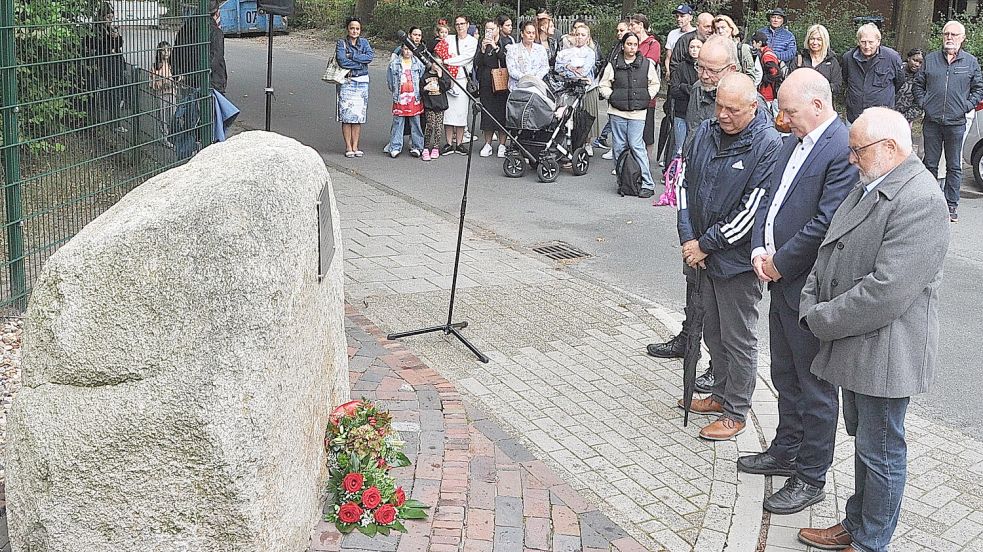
[(450, 327)]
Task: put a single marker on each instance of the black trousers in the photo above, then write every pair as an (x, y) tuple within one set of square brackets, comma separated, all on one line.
[(807, 406)]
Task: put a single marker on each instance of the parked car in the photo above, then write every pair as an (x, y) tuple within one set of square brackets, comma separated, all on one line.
[(973, 144)]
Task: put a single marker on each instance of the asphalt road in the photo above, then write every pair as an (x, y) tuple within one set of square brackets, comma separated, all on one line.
[(632, 244)]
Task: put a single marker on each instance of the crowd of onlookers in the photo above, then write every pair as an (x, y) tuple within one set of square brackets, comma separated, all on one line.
[(843, 222), (489, 58)]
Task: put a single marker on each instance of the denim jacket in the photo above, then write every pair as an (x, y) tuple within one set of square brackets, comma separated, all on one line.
[(395, 73), (721, 190), (356, 58)]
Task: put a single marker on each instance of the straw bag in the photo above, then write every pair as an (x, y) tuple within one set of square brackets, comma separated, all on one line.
[(500, 79), (334, 73)]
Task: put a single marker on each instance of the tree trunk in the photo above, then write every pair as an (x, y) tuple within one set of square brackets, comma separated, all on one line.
[(913, 25), (364, 9), (629, 7)]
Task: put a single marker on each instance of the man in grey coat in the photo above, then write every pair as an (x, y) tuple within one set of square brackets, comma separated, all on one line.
[(872, 300)]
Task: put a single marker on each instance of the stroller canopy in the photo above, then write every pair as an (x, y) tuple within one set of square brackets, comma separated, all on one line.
[(530, 106)]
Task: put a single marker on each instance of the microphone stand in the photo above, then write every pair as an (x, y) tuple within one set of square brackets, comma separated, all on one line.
[(450, 327)]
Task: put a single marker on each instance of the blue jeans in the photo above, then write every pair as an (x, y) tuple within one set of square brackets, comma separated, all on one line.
[(396, 138), (679, 129), (949, 137), (627, 133), (606, 131), (880, 468)]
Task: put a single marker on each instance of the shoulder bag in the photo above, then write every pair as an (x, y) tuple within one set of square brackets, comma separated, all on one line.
[(335, 73), (500, 78), (471, 85)]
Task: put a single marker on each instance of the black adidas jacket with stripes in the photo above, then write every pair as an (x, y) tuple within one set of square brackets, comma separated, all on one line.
[(721, 190)]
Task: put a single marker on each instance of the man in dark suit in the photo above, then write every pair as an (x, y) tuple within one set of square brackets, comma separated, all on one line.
[(788, 229)]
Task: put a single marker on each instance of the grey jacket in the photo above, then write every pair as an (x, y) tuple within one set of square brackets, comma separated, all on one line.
[(947, 91), (872, 297)]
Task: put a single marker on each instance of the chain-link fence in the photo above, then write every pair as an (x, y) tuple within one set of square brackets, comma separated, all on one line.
[(96, 98)]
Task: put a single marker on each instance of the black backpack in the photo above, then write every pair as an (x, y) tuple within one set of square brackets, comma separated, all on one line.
[(629, 174)]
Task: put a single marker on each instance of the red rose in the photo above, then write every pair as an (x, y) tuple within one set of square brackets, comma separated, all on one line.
[(381, 463), (349, 513), (385, 515), (371, 498), (353, 482), (400, 496)]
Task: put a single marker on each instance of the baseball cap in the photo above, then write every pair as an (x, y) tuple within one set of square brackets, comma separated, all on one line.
[(683, 9)]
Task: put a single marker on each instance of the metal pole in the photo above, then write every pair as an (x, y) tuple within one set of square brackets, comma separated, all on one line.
[(14, 224), (206, 107), (269, 70)]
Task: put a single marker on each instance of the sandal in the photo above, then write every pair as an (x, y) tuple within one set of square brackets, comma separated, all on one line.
[(349, 154)]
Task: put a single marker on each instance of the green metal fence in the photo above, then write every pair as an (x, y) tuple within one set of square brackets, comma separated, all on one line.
[(89, 110)]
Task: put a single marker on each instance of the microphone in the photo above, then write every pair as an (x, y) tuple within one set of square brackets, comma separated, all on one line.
[(403, 39)]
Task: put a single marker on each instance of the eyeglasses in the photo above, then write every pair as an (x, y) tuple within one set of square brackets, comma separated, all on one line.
[(705, 69), (463, 23), (856, 151)]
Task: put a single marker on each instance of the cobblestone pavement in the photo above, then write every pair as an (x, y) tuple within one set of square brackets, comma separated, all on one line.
[(487, 491), (569, 379)]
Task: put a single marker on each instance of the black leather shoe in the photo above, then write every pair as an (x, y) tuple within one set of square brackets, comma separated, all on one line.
[(674, 348), (646, 192), (704, 383), (794, 497), (765, 464)]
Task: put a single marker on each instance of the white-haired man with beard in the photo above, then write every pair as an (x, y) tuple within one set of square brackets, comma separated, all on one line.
[(872, 300)]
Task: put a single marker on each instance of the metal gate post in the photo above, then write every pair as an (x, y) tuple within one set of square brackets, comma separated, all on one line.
[(207, 102), (14, 223)]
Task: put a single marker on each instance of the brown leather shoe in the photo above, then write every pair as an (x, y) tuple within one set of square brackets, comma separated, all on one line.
[(723, 429), (704, 406), (833, 538)]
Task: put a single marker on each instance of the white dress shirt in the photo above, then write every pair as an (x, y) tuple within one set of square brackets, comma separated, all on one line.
[(795, 163)]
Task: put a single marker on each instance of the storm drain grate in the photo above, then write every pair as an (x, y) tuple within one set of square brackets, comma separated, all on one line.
[(560, 251)]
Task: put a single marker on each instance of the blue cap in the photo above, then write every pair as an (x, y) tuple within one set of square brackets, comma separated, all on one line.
[(683, 9)]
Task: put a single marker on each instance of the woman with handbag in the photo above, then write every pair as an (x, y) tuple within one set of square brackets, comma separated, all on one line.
[(458, 52), (493, 84), (353, 53)]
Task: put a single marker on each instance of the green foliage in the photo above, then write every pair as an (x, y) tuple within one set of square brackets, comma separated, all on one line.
[(319, 14), (974, 35), (47, 44), (391, 16)]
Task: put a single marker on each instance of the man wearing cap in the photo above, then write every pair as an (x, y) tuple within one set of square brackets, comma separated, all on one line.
[(684, 23), (780, 39)]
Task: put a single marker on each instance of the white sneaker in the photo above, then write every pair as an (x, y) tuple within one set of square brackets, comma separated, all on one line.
[(590, 150), (501, 150), (468, 137), (486, 151), (393, 153), (609, 155), (614, 172)]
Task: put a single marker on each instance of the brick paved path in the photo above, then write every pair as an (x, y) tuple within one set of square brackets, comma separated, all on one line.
[(488, 492), (569, 379)]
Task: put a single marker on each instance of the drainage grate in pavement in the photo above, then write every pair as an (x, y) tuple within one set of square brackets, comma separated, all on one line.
[(560, 251)]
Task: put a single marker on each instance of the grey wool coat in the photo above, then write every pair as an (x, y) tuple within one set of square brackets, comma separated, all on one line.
[(872, 297)]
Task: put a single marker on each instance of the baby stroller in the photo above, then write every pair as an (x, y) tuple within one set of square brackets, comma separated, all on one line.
[(550, 126)]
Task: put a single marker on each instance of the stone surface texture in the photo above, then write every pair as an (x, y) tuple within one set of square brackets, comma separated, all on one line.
[(180, 362)]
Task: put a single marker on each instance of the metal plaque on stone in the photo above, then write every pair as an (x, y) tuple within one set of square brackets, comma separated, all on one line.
[(325, 233)]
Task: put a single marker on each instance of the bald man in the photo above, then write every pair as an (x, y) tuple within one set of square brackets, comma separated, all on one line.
[(872, 299), (680, 51), (729, 158), (813, 177)]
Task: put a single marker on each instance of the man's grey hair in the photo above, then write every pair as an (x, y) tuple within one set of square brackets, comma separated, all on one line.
[(741, 83), (881, 123), (958, 25), (868, 29), (728, 44)]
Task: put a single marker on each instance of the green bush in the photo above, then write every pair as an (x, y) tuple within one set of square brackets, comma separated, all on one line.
[(319, 14), (393, 16)]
